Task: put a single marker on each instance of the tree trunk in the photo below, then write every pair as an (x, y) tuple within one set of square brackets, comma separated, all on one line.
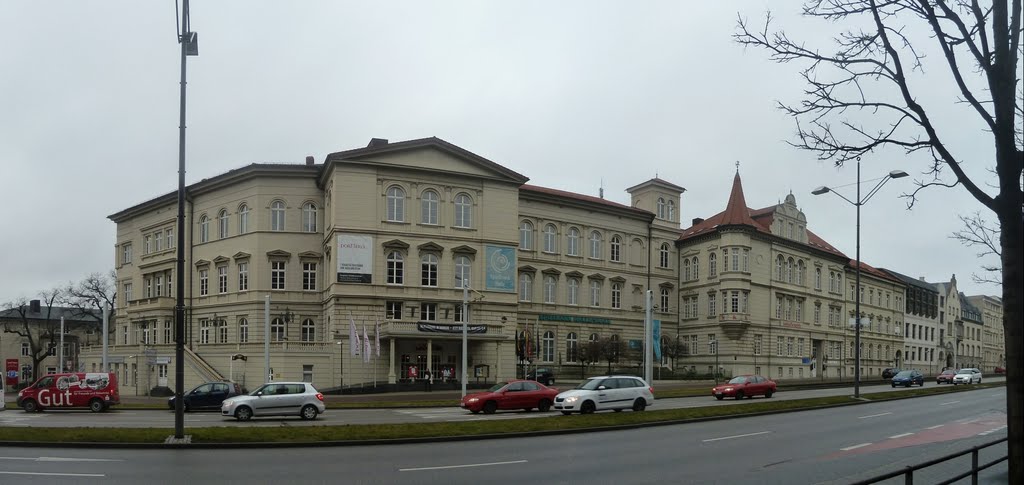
[(1012, 242)]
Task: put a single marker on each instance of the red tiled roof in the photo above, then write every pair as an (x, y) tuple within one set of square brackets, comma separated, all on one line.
[(581, 197)]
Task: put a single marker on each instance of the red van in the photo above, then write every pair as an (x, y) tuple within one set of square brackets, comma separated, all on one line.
[(94, 390)]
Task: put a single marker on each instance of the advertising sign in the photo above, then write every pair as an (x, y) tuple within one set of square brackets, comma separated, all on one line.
[(12, 372), (355, 258), (501, 268)]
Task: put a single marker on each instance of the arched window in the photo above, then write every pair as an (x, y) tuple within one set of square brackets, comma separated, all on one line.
[(277, 216), (222, 223), (243, 331), (800, 273), (463, 211), (550, 239), (571, 347), (779, 274), (696, 268), (616, 295), (550, 287), (243, 219), (664, 300), (526, 236), (428, 270), (839, 282), (308, 331), (548, 347), (525, 287), (395, 204), (671, 211), (713, 265), (572, 297), (686, 270), (595, 293), (616, 249), (661, 208), (204, 229), (277, 330), (817, 278), (428, 207), (396, 268), (574, 242), (309, 217), (663, 260), (595, 245), (790, 268), (462, 271)]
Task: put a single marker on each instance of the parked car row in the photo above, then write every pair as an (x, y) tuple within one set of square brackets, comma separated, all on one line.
[(595, 394)]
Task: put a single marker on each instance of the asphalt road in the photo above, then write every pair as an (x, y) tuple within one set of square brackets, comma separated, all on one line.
[(164, 418), (830, 446)]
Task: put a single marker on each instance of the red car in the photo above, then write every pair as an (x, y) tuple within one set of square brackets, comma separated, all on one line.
[(517, 394), (945, 377), (745, 386)]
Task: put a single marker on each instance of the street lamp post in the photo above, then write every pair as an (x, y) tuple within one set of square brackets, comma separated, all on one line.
[(895, 174)]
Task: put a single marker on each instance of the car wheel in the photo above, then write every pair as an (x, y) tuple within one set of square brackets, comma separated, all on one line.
[(894, 385), (309, 412), (96, 405), (185, 407), (243, 413), (30, 406), (979, 381), (640, 404), (768, 394), (566, 413), (719, 397), (544, 405), (909, 384), (490, 407), (588, 407), (474, 411), (739, 395)]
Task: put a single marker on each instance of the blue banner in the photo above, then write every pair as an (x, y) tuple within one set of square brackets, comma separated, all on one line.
[(656, 340), (501, 268)]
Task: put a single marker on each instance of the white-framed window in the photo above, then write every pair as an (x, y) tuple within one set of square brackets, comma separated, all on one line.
[(167, 332), (757, 343), (573, 238), (713, 265), (525, 287), (712, 305), (780, 343), (147, 246), (572, 351), (159, 283), (686, 269), (616, 295), (550, 287), (463, 211), (25, 349), (126, 253), (671, 210), (428, 270), (309, 276), (817, 313), (428, 207), (712, 344), (204, 331), (395, 198), (734, 301), (393, 310), (817, 278), (309, 216), (595, 245), (222, 224), (428, 311), (277, 330), (526, 236), (222, 279), (573, 291), (169, 238), (790, 341), (462, 272), (222, 332), (277, 269), (696, 267), (735, 259), (800, 273), (395, 268), (158, 241), (663, 253), (277, 215), (459, 315), (595, 293), (127, 292), (663, 294), (243, 331), (308, 330), (548, 346), (243, 219), (243, 276), (204, 282), (204, 231), (616, 249), (550, 238), (661, 208)]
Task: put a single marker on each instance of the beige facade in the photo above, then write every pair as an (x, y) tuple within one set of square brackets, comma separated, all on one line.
[(993, 341)]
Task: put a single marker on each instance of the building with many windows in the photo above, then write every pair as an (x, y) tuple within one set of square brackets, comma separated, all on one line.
[(993, 341), (922, 348)]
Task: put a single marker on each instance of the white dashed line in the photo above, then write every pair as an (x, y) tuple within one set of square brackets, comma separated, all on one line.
[(873, 416), (736, 436), (900, 435), (936, 426), (460, 466), (950, 402), (854, 447), (55, 474)]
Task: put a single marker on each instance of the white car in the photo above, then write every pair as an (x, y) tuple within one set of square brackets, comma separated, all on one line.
[(968, 375), (276, 399), (606, 392)]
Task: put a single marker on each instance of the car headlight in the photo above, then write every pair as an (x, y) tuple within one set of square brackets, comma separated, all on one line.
[(572, 399), (473, 399), (227, 403), (728, 389)]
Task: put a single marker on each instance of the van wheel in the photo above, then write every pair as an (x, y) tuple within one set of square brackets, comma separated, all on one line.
[(30, 406), (490, 407), (309, 412), (544, 405), (640, 404), (96, 405), (588, 407), (243, 413)]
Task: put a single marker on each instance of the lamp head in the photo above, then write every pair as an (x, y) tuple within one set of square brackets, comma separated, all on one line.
[(822, 190), (897, 174)]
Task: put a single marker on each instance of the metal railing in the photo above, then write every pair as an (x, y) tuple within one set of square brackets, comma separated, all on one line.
[(908, 472)]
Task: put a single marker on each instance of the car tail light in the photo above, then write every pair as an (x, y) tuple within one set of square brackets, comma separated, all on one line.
[(651, 389), (320, 396)]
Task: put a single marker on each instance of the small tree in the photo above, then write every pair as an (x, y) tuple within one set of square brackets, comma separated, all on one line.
[(86, 300), (40, 330)]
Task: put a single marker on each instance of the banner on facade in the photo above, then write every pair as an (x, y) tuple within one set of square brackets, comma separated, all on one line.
[(445, 328), (656, 338), (501, 268), (12, 372), (355, 258)]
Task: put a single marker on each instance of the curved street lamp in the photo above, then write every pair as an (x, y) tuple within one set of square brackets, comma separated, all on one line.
[(895, 174)]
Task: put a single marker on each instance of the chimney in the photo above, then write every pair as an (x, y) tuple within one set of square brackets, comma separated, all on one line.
[(33, 306), (377, 142), (697, 220), (309, 160)]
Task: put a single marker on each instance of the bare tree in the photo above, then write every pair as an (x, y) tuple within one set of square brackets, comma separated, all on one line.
[(87, 299), (978, 232), (41, 330), (869, 80)]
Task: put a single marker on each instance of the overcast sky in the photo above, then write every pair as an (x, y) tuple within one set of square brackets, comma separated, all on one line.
[(574, 95)]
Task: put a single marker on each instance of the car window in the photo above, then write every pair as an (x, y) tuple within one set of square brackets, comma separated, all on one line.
[(738, 380), (590, 384), (203, 389), (296, 388), (610, 383), (220, 388), (515, 387), (530, 386), (46, 382)]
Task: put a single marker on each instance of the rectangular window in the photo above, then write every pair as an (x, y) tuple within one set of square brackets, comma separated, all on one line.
[(393, 310), (712, 344), (735, 259), (126, 254), (243, 331), (712, 310), (158, 242), (757, 344), (746, 260), (167, 332), (734, 301), (148, 246), (789, 346), (277, 275), (204, 282), (695, 344), (428, 311), (222, 279), (800, 347), (309, 276), (204, 331), (222, 332), (307, 373), (127, 293), (159, 285), (780, 342), (459, 317), (169, 237), (817, 314), (243, 276)]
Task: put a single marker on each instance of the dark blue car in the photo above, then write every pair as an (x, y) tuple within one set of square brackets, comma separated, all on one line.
[(908, 378)]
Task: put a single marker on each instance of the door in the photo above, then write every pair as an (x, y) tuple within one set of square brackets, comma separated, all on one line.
[(217, 395), (608, 397), (200, 396)]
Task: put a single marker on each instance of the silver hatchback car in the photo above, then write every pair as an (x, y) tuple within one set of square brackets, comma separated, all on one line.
[(276, 399), (606, 392)]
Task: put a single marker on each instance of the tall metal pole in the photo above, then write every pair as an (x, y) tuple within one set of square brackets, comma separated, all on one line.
[(648, 337), (856, 291), (185, 39), (106, 337), (266, 340), (465, 345), (60, 351)]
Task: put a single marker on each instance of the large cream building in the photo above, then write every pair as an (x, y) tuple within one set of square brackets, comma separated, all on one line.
[(993, 341), (921, 331)]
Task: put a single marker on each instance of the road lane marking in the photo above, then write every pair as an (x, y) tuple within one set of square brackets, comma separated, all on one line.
[(54, 458), (900, 435), (45, 474), (950, 402), (737, 436), (873, 416), (854, 447), (461, 466), (936, 426)]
